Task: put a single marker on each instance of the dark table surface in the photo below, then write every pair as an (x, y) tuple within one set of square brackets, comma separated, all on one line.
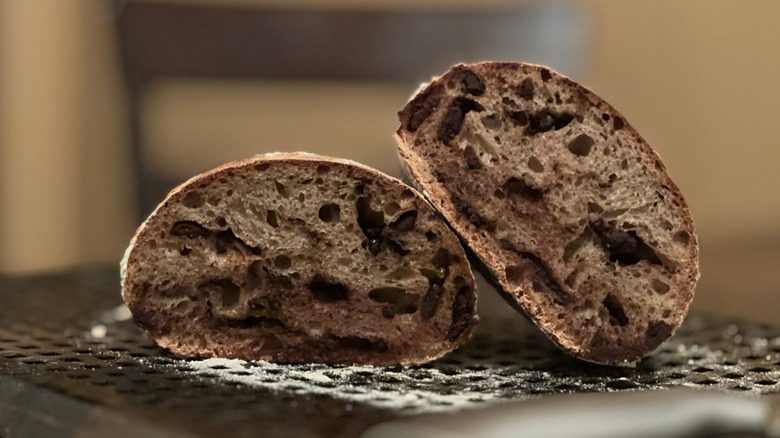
[(70, 364)]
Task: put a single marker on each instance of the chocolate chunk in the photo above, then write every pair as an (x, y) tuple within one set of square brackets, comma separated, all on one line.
[(471, 82), (430, 301), (419, 109), (581, 145), (562, 120), (189, 229), (542, 121), (546, 75), (526, 89), (462, 308), (452, 122), (546, 120), (519, 117), (617, 123), (624, 247)]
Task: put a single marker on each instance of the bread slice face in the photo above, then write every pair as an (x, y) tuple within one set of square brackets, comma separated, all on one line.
[(571, 212), (299, 258)]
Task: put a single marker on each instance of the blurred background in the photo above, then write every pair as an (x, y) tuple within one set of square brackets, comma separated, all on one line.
[(106, 105)]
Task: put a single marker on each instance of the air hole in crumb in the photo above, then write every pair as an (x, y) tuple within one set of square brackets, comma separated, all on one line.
[(185, 251), (535, 165), (323, 168), (221, 221), (682, 237), (405, 222), (282, 262), (660, 287), (430, 235), (281, 189), (327, 291), (229, 292), (624, 164), (518, 188), (617, 316), (229, 192), (399, 301), (329, 213), (594, 208), (193, 200), (271, 218)]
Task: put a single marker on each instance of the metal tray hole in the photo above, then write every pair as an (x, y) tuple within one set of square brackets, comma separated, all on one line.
[(759, 370), (77, 376), (49, 353), (766, 382), (70, 359), (13, 355)]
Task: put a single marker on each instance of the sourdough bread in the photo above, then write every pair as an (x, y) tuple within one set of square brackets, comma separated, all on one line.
[(571, 212), (299, 258)]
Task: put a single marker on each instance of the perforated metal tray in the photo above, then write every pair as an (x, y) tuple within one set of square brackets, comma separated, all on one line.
[(67, 366)]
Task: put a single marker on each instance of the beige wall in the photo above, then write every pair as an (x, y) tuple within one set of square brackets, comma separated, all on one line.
[(65, 190), (697, 79)]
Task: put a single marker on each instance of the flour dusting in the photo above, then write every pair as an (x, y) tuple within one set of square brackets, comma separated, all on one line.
[(412, 391)]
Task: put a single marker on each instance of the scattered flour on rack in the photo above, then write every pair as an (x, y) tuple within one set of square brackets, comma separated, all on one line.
[(414, 391)]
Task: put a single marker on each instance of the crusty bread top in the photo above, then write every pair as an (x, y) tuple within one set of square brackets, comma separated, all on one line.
[(297, 258), (569, 209)]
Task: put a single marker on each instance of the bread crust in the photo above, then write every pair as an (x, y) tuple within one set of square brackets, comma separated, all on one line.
[(295, 257), (517, 158)]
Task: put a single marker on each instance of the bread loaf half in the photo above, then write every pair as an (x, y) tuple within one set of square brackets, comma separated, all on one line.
[(299, 258), (571, 212)]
